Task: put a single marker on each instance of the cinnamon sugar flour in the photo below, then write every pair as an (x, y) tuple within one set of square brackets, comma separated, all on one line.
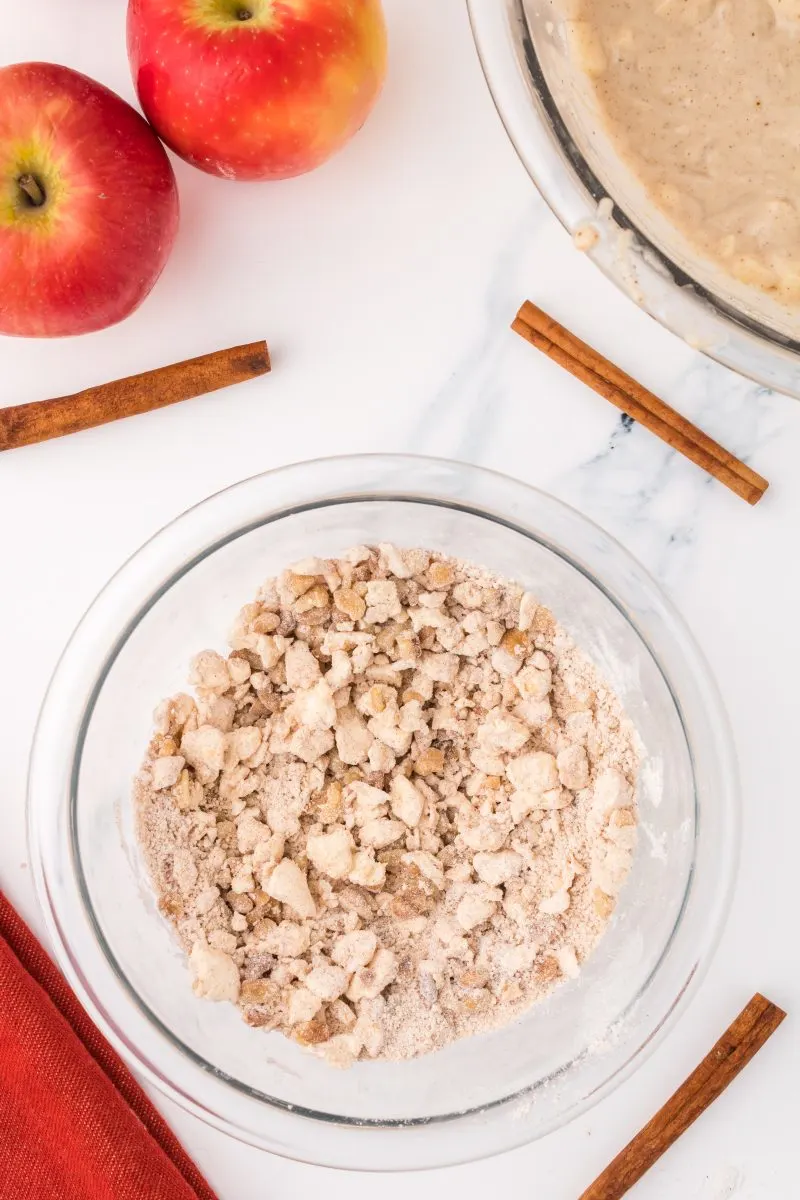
[(398, 813)]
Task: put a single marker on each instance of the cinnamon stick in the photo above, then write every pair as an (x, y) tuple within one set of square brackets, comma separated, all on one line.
[(24, 424), (737, 1046), (632, 398)]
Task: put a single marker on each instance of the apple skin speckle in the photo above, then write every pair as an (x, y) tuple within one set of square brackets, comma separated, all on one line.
[(97, 244), (299, 79)]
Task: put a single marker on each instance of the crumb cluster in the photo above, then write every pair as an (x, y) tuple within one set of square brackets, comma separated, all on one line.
[(397, 813)]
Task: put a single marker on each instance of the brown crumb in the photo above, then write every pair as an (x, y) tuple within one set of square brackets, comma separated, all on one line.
[(399, 813)]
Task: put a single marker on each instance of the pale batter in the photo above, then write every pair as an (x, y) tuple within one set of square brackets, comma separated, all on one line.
[(702, 99)]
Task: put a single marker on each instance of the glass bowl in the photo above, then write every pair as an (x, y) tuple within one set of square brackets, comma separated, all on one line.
[(547, 106), (178, 595)]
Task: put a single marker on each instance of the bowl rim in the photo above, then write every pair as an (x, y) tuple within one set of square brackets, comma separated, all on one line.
[(572, 191), (42, 798)]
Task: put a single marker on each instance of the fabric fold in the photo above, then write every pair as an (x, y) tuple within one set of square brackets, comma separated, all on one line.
[(74, 1123)]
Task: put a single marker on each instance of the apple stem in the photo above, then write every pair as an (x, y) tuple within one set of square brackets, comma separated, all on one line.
[(33, 190), (244, 14)]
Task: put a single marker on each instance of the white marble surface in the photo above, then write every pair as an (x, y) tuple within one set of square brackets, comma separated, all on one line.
[(385, 284)]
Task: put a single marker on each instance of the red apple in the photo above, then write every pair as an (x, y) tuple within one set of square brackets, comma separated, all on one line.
[(88, 203), (257, 89)]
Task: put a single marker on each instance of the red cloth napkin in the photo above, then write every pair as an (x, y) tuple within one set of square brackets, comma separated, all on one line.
[(74, 1123)]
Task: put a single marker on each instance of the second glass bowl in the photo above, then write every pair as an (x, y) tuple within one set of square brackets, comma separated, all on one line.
[(550, 114), (482, 1095)]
